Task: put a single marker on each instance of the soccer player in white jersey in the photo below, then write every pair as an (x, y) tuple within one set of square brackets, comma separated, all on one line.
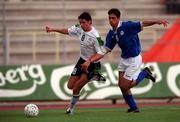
[(125, 35), (90, 44)]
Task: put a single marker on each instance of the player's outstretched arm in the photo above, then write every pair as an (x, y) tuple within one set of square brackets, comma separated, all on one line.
[(63, 30), (153, 22), (94, 58)]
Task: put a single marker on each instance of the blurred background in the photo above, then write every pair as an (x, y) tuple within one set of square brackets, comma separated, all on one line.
[(23, 39), (34, 63)]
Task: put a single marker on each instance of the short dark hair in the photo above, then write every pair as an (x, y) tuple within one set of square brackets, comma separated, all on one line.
[(86, 16), (114, 11)]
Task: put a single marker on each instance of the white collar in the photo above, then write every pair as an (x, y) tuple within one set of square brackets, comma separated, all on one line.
[(119, 25)]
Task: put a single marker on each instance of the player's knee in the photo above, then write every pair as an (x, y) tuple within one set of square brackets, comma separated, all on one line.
[(76, 90), (70, 86), (124, 87)]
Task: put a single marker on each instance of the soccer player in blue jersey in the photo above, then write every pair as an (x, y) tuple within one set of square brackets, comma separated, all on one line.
[(125, 35)]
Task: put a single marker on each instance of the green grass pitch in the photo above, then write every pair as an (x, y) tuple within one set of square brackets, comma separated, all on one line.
[(147, 114)]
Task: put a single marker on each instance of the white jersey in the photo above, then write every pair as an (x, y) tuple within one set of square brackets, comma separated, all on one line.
[(90, 42)]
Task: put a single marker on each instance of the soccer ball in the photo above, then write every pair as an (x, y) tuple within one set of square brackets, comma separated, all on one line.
[(31, 110)]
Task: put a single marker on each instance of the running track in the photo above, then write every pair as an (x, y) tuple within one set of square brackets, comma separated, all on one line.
[(64, 105)]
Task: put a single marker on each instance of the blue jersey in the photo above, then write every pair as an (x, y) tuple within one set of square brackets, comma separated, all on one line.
[(126, 36)]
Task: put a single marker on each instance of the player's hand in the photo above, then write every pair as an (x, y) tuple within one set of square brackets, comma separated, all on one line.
[(163, 22), (85, 65), (48, 29)]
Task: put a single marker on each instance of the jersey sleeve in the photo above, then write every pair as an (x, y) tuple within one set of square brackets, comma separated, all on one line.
[(110, 41), (99, 46), (74, 30), (134, 27)]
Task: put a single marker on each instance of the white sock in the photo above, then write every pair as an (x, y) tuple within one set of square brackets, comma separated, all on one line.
[(73, 101)]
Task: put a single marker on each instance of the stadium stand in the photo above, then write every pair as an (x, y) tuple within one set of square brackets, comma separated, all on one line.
[(29, 43), (172, 6)]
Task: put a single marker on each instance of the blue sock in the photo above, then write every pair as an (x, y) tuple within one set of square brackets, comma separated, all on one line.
[(141, 76), (130, 101)]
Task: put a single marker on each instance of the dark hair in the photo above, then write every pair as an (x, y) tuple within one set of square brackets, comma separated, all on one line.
[(114, 11), (86, 16)]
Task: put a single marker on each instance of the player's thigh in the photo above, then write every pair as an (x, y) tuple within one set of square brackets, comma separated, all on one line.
[(83, 80), (123, 83), (76, 73), (72, 80), (120, 81)]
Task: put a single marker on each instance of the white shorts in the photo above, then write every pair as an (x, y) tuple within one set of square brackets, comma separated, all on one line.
[(131, 67)]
